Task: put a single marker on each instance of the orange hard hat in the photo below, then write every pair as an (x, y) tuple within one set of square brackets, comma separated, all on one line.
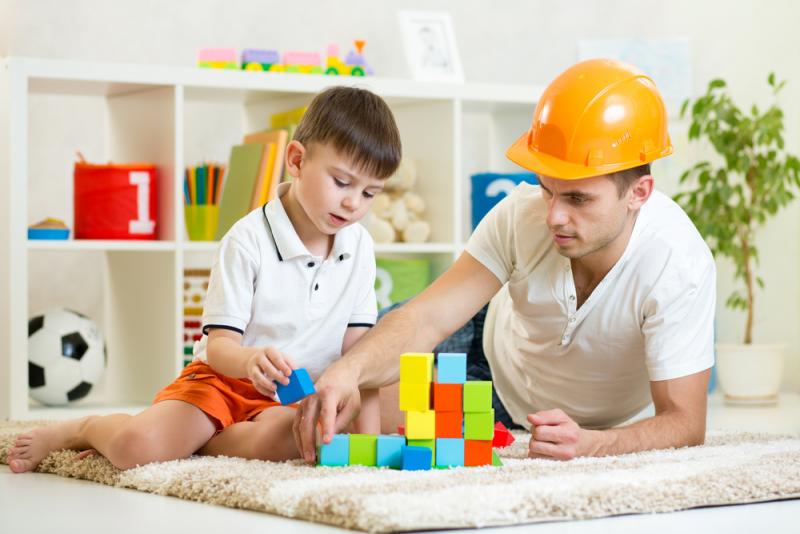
[(598, 117)]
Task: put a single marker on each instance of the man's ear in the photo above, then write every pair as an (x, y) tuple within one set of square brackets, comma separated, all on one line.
[(295, 155), (640, 191)]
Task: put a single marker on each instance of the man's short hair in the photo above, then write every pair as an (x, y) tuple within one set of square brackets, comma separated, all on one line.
[(358, 124), (625, 179)]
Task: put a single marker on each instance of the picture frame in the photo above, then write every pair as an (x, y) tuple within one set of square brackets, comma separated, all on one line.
[(430, 46)]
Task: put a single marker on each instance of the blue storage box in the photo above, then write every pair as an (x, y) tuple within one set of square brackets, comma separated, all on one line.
[(489, 188)]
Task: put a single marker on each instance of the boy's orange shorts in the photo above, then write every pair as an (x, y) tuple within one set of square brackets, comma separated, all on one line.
[(224, 399)]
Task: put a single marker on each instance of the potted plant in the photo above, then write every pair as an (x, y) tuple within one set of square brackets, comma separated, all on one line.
[(730, 199)]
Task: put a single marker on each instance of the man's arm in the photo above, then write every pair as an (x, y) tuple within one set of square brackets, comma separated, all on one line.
[(680, 420), (418, 326)]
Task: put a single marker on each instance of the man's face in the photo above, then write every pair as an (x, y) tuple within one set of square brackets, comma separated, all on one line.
[(584, 216)]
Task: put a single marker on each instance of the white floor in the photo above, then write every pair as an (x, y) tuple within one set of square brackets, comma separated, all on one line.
[(46, 503)]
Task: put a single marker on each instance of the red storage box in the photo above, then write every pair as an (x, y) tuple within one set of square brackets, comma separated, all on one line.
[(115, 201)]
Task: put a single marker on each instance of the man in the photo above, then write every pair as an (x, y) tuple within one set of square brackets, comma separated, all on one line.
[(602, 291)]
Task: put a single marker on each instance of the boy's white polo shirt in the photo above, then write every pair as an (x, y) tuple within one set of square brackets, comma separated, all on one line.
[(266, 285), (651, 317)]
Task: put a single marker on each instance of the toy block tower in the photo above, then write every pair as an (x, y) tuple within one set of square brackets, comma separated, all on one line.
[(451, 416), (416, 377)]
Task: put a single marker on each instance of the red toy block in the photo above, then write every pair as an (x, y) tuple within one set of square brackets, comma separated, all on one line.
[(477, 452), (448, 424), (502, 436), (447, 397), (401, 430)]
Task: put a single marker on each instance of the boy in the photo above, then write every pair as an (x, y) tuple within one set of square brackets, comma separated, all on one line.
[(291, 286)]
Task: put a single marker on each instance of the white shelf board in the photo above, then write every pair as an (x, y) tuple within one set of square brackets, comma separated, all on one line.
[(415, 248), (99, 244), (80, 77)]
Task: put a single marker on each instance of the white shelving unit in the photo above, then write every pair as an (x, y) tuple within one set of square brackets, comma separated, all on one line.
[(172, 116)]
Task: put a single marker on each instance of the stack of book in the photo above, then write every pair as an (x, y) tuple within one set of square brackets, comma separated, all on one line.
[(255, 169)]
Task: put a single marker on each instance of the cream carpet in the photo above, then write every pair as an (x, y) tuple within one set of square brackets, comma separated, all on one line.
[(732, 468)]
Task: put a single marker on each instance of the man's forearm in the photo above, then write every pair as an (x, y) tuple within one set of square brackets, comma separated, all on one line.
[(375, 358), (672, 429)]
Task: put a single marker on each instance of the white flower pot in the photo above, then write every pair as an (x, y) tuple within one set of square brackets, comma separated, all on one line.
[(749, 374)]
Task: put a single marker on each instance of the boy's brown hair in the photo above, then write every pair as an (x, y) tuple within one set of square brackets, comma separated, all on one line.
[(358, 124)]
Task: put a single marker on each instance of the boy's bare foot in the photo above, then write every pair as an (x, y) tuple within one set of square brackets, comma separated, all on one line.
[(32, 447)]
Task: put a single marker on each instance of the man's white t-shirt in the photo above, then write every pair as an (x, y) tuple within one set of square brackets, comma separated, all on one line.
[(267, 286), (650, 318)]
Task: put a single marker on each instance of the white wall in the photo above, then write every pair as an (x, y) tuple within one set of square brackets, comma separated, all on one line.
[(520, 41)]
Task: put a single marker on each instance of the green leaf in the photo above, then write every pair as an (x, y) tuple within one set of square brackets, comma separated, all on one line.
[(771, 79), (716, 83)]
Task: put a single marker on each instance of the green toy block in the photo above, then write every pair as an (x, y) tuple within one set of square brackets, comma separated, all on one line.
[(479, 425), (416, 368), (363, 449), (477, 396), (429, 443), (496, 460)]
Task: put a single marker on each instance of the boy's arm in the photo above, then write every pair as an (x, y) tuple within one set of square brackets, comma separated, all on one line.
[(262, 366), (434, 314)]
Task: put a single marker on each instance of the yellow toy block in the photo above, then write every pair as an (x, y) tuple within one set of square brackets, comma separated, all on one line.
[(416, 367), (415, 397), (421, 425)]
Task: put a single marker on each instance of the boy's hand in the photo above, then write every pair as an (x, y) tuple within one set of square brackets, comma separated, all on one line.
[(336, 403), (267, 366)]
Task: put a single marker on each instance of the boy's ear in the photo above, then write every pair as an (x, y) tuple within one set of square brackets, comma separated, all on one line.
[(295, 154)]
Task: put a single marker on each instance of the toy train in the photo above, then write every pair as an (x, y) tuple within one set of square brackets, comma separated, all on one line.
[(354, 63)]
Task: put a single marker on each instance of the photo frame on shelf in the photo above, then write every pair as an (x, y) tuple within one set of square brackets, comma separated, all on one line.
[(430, 45)]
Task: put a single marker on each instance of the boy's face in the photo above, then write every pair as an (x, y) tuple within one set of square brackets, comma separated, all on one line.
[(585, 216), (332, 191)]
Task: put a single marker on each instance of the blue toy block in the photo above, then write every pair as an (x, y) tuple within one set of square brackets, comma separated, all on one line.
[(449, 452), (390, 451), (300, 386), (416, 458), (451, 368), (335, 453)]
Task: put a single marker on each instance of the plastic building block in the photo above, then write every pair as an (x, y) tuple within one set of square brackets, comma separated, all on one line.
[(449, 452), (447, 397), (479, 425), (416, 368), (477, 452), (415, 396), (477, 396), (451, 368), (299, 387), (496, 460), (390, 451), (421, 425), (401, 429), (363, 449), (449, 425), (218, 58), (335, 453), (416, 458), (428, 444), (502, 436)]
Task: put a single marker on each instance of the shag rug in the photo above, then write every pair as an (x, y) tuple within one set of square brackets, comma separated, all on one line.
[(731, 468)]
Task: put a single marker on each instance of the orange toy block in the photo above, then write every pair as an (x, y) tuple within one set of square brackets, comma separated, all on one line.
[(448, 424), (477, 452), (447, 397)]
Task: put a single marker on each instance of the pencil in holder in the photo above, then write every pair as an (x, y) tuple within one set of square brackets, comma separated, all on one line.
[(201, 221)]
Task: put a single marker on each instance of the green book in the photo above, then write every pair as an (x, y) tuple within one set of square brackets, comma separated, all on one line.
[(237, 191)]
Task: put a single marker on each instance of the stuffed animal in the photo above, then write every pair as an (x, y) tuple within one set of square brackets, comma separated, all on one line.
[(397, 212)]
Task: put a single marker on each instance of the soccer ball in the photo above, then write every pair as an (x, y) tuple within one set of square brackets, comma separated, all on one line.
[(66, 356)]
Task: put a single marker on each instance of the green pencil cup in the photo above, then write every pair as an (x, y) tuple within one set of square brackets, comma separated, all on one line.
[(201, 221)]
